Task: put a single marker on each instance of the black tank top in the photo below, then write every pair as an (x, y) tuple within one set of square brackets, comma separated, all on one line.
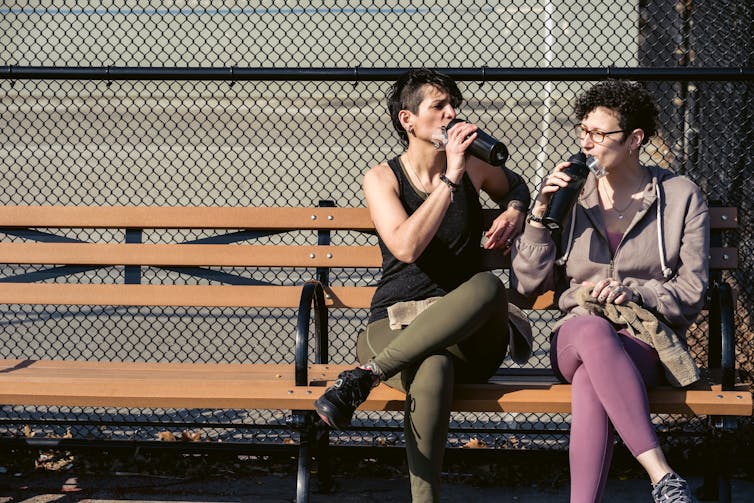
[(451, 258)]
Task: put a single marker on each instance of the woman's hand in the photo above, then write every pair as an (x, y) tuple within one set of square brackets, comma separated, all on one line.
[(460, 136), (550, 185), (504, 230), (609, 291)]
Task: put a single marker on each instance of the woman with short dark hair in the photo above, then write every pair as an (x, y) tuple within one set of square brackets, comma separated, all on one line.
[(435, 320)]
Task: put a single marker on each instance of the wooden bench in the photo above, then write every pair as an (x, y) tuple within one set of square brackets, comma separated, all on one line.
[(717, 395), (39, 237)]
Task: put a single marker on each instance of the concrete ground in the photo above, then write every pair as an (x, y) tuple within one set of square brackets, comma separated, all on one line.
[(47, 487), (163, 476)]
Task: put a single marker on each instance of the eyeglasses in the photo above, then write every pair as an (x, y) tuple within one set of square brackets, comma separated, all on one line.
[(596, 136)]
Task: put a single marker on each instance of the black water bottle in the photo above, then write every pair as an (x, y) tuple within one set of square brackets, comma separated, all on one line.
[(485, 147), (562, 202)]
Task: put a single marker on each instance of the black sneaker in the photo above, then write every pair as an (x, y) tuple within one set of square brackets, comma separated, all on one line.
[(337, 403), (672, 489)]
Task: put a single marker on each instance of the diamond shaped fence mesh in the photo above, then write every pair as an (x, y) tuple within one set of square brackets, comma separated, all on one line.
[(262, 130)]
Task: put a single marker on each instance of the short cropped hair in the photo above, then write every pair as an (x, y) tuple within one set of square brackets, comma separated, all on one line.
[(406, 94), (635, 106)]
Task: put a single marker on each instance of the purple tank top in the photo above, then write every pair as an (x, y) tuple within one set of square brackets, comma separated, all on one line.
[(614, 240)]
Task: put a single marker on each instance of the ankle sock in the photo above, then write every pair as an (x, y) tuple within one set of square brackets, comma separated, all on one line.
[(374, 369)]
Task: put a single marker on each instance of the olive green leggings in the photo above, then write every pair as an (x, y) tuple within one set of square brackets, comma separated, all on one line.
[(463, 337)]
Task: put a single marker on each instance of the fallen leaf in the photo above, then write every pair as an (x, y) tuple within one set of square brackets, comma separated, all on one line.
[(165, 436), (385, 440), (191, 436), (474, 443)]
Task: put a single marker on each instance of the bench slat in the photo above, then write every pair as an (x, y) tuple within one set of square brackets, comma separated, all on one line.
[(74, 294), (723, 258), (218, 255), (351, 297), (503, 395), (193, 217), (240, 255), (219, 217), (221, 385), (723, 218), (150, 295), (189, 255)]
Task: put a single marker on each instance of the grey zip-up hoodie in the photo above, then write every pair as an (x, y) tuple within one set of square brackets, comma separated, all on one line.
[(663, 255)]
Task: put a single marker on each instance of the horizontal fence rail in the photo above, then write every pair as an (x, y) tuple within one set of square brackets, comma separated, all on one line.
[(361, 74)]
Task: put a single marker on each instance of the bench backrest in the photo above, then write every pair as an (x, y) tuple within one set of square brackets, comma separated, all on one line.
[(245, 225), (42, 246), (45, 242)]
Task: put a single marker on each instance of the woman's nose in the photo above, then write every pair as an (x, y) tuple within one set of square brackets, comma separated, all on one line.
[(587, 142)]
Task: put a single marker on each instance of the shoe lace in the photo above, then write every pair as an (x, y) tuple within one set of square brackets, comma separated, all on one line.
[(354, 387), (673, 489)]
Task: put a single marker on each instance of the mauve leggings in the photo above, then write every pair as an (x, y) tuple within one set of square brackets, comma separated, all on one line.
[(610, 372)]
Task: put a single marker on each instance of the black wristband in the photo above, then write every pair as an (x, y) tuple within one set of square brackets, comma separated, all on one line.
[(451, 185)]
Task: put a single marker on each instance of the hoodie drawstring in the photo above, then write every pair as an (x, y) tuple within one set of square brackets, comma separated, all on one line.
[(666, 271), (562, 260)]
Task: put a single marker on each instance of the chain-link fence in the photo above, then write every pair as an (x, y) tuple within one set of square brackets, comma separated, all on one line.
[(203, 102)]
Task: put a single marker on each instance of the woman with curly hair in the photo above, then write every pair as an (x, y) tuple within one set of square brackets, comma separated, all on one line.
[(634, 246)]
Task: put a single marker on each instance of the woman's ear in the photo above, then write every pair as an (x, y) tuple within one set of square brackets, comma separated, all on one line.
[(405, 117), (635, 139)]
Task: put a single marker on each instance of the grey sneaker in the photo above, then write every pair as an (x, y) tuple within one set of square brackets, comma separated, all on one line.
[(672, 489)]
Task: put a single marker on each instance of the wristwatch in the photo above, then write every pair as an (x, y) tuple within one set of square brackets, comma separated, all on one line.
[(534, 218)]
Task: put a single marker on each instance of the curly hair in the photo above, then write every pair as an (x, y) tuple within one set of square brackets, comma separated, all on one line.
[(406, 94), (635, 106)]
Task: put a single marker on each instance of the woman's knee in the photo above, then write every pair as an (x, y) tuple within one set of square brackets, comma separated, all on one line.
[(433, 376), (486, 288), (589, 322), (576, 339), (586, 330)]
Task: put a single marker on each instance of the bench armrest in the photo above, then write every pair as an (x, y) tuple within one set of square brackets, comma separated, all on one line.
[(728, 336), (312, 296)]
